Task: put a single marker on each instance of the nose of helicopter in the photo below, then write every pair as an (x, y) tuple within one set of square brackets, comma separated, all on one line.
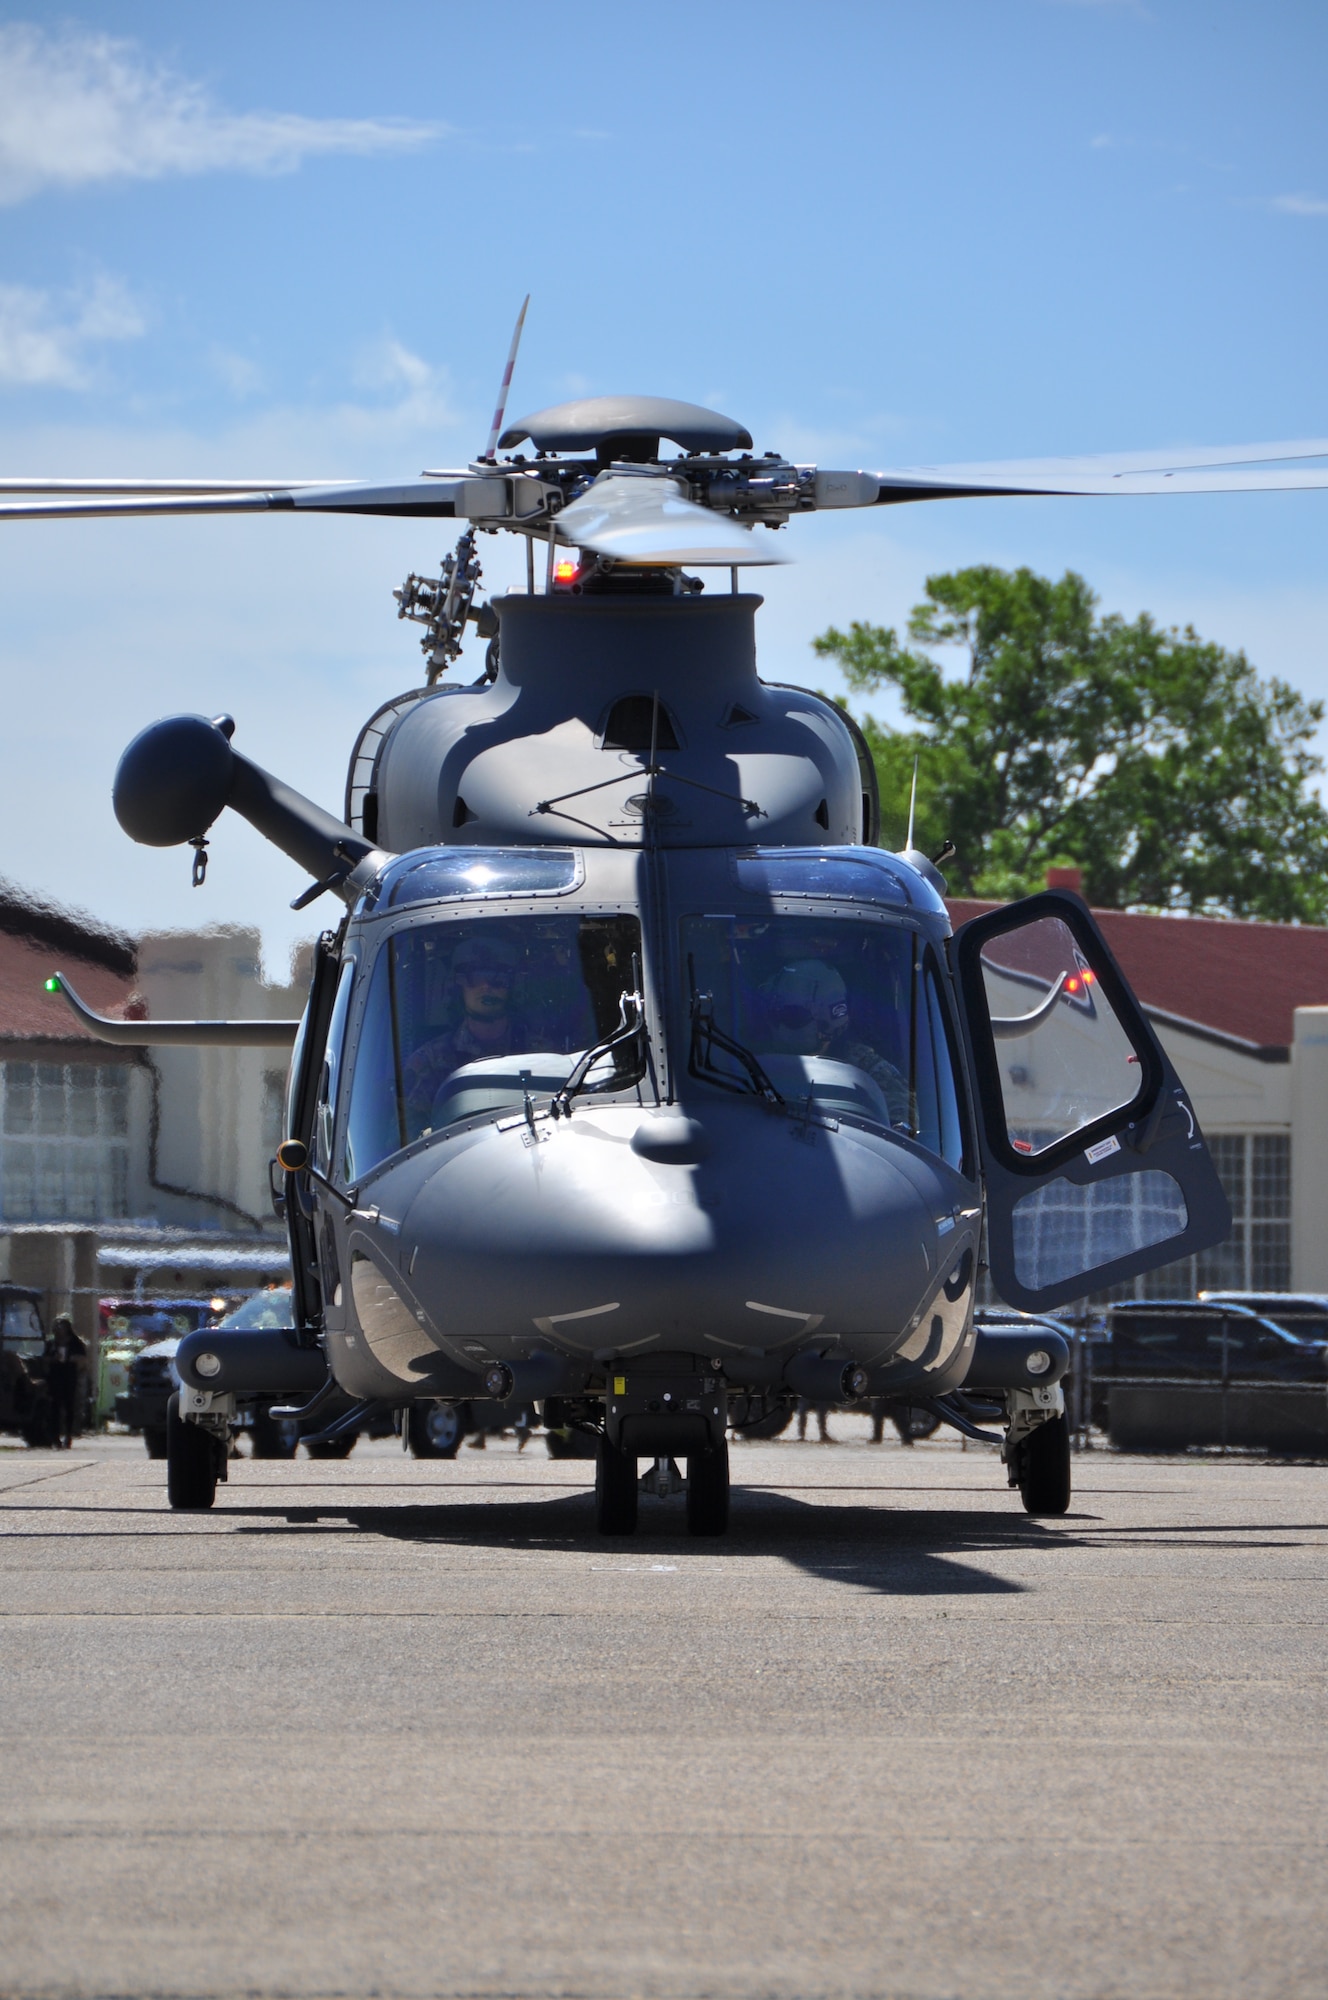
[(621, 1228)]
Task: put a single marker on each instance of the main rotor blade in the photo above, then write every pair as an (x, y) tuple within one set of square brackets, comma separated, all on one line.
[(643, 518), (1178, 458), (158, 486), (1252, 468), (426, 498)]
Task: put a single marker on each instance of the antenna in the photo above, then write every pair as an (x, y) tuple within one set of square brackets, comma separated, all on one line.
[(501, 411), (912, 808)]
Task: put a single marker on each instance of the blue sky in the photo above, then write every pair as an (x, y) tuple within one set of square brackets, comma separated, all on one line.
[(289, 240)]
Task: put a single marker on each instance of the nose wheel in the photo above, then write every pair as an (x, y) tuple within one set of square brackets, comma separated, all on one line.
[(615, 1490), (1042, 1468), (708, 1490), (195, 1459)]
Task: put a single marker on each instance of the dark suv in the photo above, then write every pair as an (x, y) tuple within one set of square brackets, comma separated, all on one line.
[(1205, 1372), (25, 1406), (1303, 1314)]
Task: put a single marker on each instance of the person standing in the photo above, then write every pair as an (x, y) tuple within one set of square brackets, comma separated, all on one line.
[(64, 1369)]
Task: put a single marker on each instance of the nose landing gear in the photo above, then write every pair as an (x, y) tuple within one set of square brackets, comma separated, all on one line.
[(617, 1490), (664, 1406)]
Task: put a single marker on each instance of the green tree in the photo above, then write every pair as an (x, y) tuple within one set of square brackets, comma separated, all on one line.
[(1161, 765)]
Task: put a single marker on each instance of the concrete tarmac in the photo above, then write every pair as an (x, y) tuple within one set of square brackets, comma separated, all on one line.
[(394, 1728)]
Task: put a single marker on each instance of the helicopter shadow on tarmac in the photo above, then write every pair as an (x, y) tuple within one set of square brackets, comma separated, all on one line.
[(909, 1552)]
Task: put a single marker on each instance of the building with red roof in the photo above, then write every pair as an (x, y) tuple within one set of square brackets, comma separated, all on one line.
[(118, 1165)]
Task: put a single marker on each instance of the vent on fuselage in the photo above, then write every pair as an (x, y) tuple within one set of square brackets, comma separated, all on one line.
[(632, 726)]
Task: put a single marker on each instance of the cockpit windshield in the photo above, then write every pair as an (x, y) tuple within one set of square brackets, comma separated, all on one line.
[(841, 1011), (476, 1015)]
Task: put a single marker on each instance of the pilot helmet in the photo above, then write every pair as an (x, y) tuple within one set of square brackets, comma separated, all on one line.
[(491, 955), (808, 1002)]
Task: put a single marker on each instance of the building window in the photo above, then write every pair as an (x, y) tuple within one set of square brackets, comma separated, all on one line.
[(64, 1141), (1255, 1170)]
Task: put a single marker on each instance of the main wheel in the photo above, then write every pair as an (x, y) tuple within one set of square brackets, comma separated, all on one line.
[(271, 1439), (193, 1461), (436, 1429), (1044, 1468), (570, 1444), (338, 1447), (154, 1437), (912, 1424), (708, 1491), (615, 1490), (772, 1425)]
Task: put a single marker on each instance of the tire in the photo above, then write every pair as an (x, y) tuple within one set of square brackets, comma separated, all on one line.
[(154, 1437), (1044, 1468), (436, 1429), (271, 1439), (340, 1447), (615, 1490), (193, 1461), (772, 1425), (708, 1491), (913, 1424), (571, 1444)]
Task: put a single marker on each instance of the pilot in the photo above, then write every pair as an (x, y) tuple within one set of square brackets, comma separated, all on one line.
[(809, 1014), (482, 973)]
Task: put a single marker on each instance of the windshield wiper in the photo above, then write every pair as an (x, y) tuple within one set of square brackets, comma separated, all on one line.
[(628, 1030), (707, 1037)]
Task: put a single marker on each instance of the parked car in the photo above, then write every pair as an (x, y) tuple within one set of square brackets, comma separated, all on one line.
[(1303, 1313), (124, 1319), (25, 1406), (1174, 1373), (150, 1384), (127, 1327), (152, 1381), (436, 1430)]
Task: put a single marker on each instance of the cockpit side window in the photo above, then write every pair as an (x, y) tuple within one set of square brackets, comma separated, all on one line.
[(939, 1115), (823, 1003), (471, 1016), (326, 1108), (847, 1012)]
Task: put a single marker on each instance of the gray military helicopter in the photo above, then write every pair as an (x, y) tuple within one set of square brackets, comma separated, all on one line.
[(637, 1081)]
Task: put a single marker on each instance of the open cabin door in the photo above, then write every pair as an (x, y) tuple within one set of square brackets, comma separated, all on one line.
[(1094, 1162)]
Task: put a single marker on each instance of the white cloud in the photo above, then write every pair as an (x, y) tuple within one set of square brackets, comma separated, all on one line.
[(1298, 204), (44, 340), (240, 375), (77, 108), (416, 394)]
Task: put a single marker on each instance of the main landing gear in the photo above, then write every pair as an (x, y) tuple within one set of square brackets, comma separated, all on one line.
[(617, 1491), (195, 1461), (1040, 1467)]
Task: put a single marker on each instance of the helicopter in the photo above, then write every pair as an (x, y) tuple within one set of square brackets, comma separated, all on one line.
[(637, 1082)]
